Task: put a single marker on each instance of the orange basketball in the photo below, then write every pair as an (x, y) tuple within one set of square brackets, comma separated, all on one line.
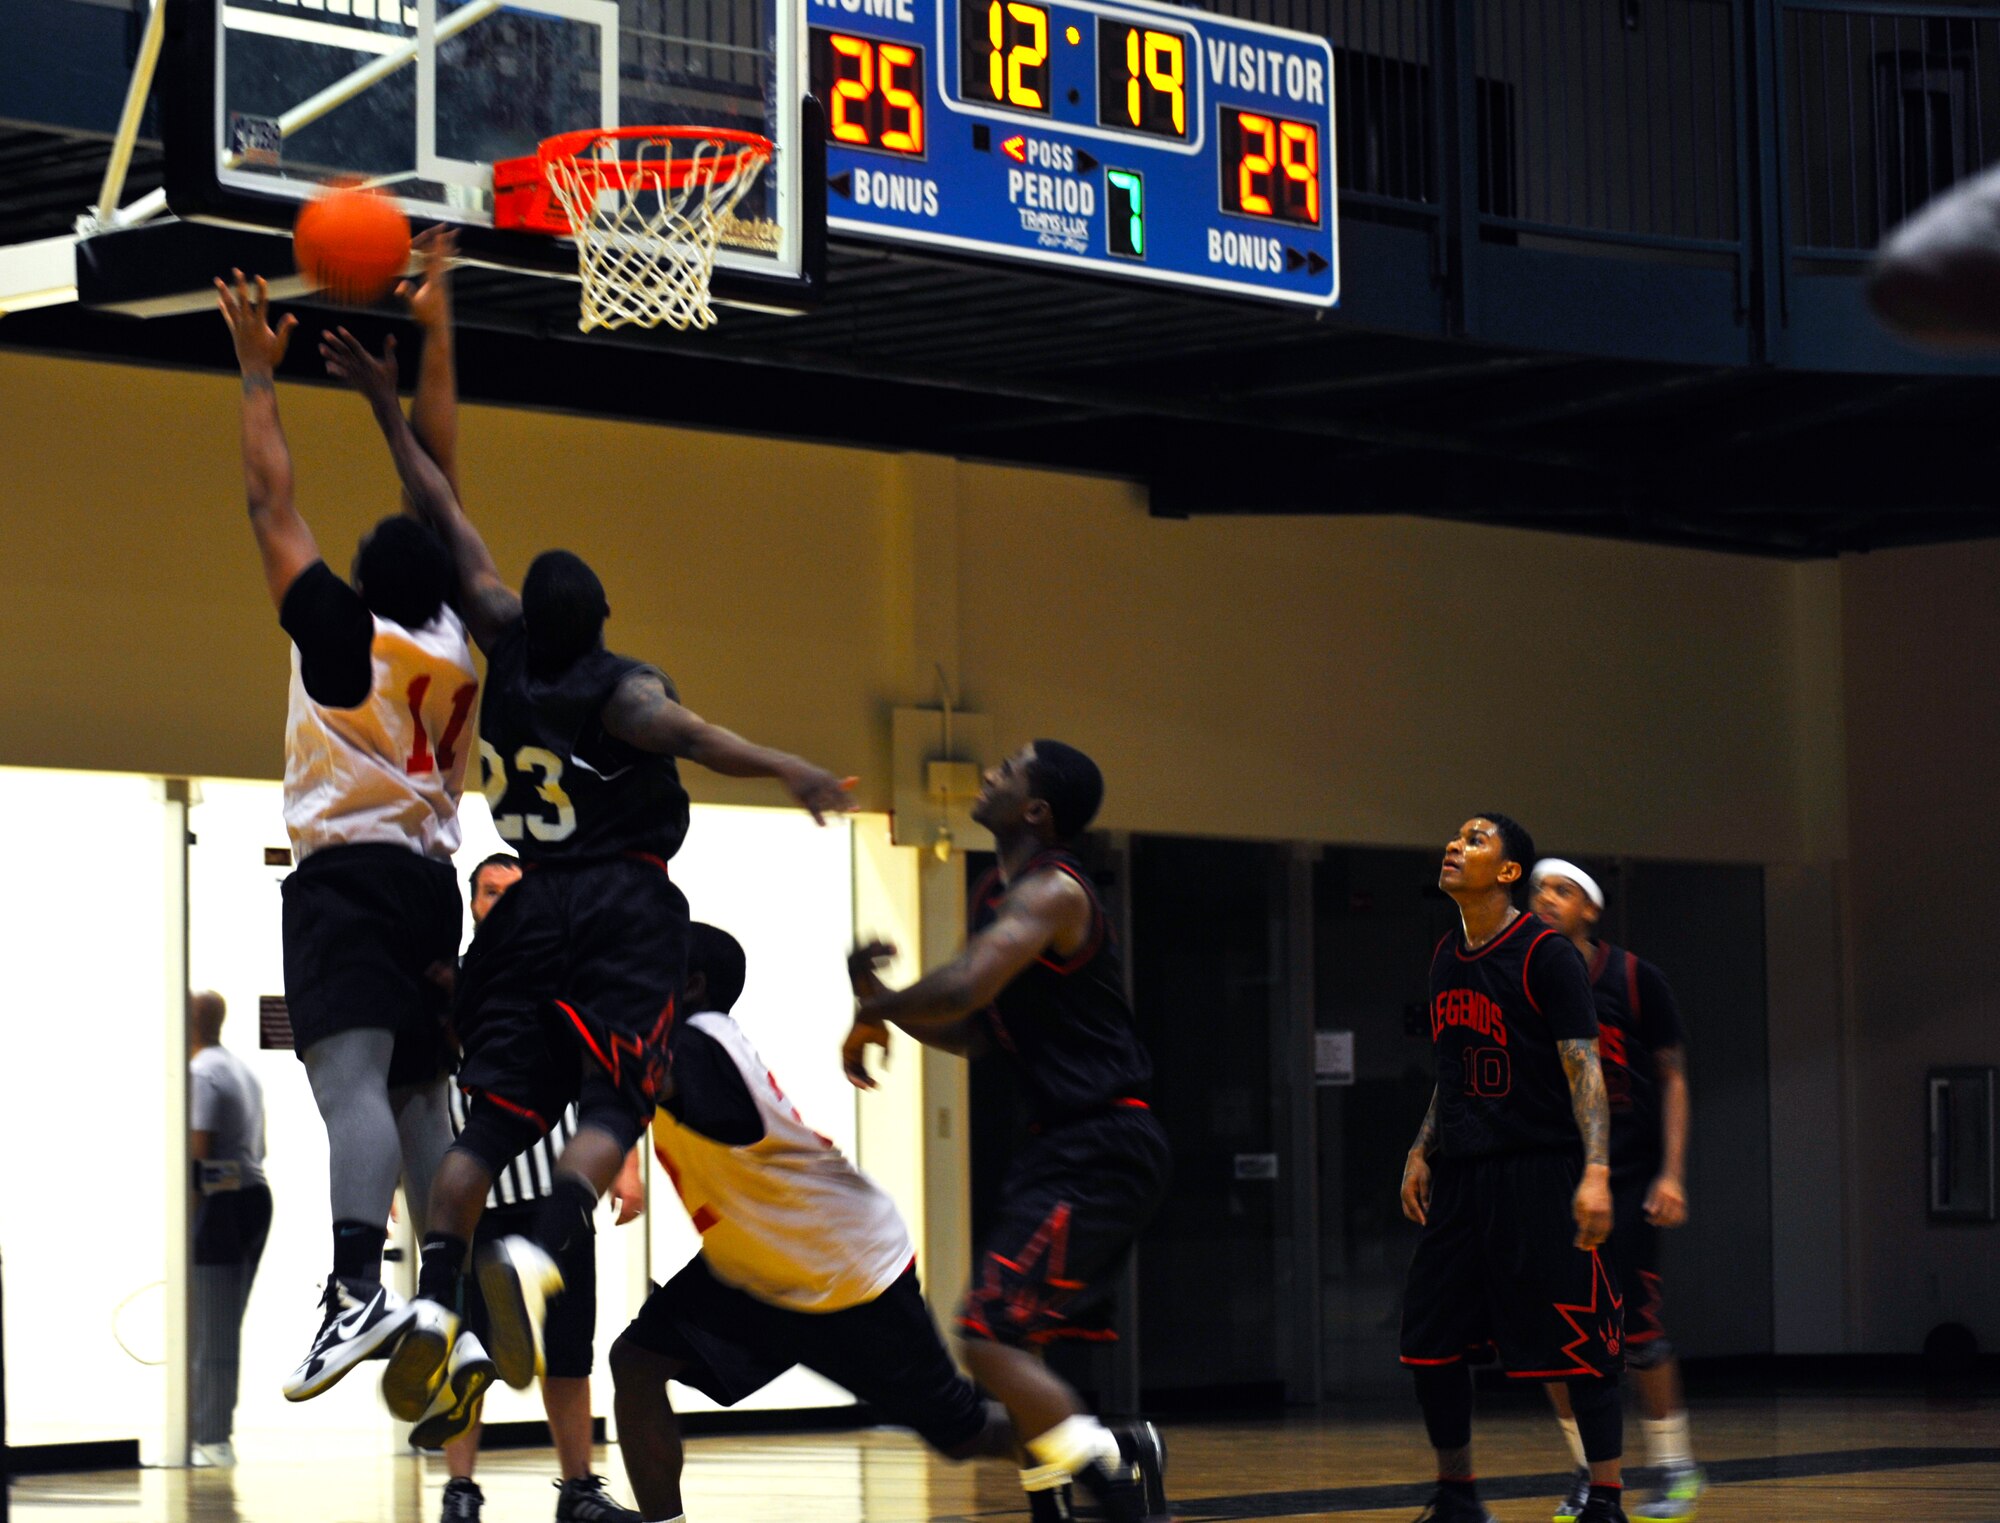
[(352, 244)]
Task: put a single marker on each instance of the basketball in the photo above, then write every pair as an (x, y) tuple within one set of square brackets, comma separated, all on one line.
[(352, 244)]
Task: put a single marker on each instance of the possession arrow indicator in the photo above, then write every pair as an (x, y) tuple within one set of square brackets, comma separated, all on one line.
[(1084, 162), (844, 183), (1016, 148)]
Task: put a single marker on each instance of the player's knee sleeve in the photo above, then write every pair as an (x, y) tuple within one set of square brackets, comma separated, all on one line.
[(1600, 1418), (612, 1116), (495, 1137), (1444, 1391), (1650, 1355)]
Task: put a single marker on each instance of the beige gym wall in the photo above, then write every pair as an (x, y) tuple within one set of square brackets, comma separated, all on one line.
[(1922, 632), (1364, 680)]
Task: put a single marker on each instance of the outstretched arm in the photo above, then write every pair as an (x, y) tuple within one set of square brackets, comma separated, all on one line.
[(1047, 910), (283, 540), (488, 604), (1593, 1123), (644, 714), (434, 413)]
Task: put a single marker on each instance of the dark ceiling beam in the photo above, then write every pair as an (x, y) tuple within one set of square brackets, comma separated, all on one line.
[(1645, 394), (1457, 372), (1874, 399)]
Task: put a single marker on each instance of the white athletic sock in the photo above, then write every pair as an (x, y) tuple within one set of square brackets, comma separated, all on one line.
[(1043, 1477), (1075, 1444), (1575, 1441), (1667, 1440)]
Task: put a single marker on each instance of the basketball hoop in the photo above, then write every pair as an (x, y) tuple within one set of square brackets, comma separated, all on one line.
[(645, 206)]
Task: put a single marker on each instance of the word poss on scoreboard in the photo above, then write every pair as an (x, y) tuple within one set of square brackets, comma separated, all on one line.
[(1160, 144)]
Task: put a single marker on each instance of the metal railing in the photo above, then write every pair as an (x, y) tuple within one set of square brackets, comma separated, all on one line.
[(1614, 119), (1880, 109)]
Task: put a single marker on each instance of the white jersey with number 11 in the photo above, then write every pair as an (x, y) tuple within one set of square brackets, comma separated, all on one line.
[(390, 771)]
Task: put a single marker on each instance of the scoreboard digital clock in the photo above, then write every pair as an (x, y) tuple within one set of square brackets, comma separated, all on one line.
[(1152, 142)]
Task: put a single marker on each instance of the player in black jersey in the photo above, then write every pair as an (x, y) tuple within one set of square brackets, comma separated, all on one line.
[(1039, 980), (1641, 1044), (1510, 1177), (569, 988)]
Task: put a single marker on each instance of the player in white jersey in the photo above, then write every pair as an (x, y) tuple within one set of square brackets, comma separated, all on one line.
[(804, 1260), (376, 743)]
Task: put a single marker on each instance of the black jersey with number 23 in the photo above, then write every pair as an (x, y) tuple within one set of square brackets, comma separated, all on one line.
[(1496, 1015), (561, 788), (1065, 1021)]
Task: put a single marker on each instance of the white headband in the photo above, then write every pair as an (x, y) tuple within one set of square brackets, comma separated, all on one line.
[(1556, 867)]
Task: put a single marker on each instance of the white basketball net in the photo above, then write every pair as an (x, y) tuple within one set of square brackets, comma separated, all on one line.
[(645, 213)]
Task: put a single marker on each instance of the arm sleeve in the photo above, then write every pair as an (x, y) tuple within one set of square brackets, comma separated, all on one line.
[(1659, 1012), (1560, 984), (710, 1096), (335, 634)]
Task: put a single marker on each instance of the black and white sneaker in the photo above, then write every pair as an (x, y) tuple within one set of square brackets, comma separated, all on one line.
[(517, 1279), (462, 1500), (1140, 1444), (361, 1315), (455, 1407), (1119, 1489), (586, 1501), (417, 1366)]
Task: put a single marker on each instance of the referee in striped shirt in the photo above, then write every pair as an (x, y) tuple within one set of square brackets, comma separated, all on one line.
[(510, 1208)]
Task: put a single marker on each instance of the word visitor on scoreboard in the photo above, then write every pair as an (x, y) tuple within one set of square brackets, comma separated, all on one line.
[(1267, 71)]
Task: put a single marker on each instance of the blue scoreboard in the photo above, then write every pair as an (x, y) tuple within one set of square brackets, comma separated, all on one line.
[(1135, 139)]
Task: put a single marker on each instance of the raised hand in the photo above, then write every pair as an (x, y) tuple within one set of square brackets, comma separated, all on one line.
[(854, 1051), (429, 299), (247, 311), (347, 359), (864, 963)]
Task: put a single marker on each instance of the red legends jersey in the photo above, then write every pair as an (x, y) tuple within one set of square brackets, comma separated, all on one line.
[(1496, 1015)]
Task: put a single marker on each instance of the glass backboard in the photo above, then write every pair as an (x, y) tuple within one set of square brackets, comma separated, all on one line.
[(421, 97)]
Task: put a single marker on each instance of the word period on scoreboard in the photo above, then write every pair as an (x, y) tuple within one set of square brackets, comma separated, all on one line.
[(1150, 142)]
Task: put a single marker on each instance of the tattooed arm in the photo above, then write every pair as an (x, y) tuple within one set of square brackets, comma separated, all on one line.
[(1417, 1167), (1593, 1123)]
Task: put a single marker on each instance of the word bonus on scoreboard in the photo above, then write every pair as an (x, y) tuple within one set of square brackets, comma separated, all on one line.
[(1150, 142)]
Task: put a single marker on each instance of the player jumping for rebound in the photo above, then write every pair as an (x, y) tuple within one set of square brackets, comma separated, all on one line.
[(375, 748), (568, 992), (1645, 1081), (1039, 978), (1510, 1178)]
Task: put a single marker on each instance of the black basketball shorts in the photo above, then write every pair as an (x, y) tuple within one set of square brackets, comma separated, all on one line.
[(571, 1325), (371, 935), (1497, 1264), (1634, 1251), (569, 991), (886, 1352), (1074, 1200)]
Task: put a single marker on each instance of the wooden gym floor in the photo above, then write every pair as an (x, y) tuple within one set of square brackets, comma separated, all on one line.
[(1804, 1457)]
